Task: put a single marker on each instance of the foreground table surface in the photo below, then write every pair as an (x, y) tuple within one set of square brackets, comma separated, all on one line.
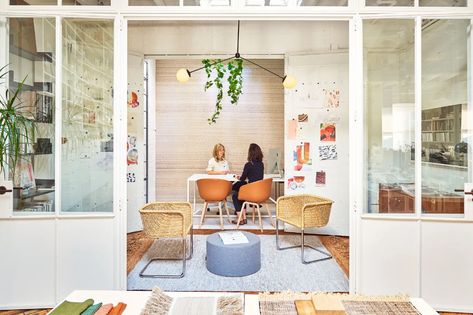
[(136, 300)]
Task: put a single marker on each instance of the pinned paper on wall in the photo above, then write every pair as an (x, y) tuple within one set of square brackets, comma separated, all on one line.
[(291, 129), (133, 102), (327, 132), (132, 155), (301, 157), (320, 178), (296, 183), (328, 152), (130, 178), (332, 98), (303, 118)]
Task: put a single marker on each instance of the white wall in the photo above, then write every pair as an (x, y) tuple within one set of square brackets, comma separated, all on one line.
[(45, 259), (315, 74), (219, 37), (136, 185)]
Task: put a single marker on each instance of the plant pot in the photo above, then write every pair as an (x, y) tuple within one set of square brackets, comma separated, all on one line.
[(6, 199)]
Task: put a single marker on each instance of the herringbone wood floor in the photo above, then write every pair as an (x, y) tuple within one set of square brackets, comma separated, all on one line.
[(138, 245)]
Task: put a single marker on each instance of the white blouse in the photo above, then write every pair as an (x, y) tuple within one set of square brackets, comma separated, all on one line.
[(217, 166)]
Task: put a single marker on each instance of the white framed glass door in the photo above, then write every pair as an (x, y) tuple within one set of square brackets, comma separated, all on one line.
[(415, 160)]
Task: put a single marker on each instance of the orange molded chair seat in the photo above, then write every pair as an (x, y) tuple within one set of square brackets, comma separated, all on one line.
[(254, 194), (214, 190)]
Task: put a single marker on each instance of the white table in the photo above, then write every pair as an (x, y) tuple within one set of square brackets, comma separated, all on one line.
[(231, 178), (136, 300)]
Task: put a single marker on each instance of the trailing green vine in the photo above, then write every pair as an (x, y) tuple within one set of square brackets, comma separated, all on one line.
[(234, 71), (235, 80)]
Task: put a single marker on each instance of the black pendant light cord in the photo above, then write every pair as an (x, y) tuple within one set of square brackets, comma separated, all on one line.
[(211, 64), (237, 55), (263, 68)]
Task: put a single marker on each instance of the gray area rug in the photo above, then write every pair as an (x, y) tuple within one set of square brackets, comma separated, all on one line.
[(280, 270)]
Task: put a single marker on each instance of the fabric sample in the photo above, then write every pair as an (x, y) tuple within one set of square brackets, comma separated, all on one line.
[(72, 308), (304, 307), (158, 303), (193, 306), (229, 305), (91, 310), (104, 309), (277, 307), (379, 307), (118, 309)]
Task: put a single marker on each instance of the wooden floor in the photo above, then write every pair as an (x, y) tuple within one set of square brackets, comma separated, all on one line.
[(138, 245)]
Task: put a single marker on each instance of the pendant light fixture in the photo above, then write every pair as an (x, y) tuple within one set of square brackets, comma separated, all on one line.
[(288, 81)]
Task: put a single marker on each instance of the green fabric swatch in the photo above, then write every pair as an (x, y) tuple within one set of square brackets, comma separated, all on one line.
[(72, 308), (91, 309)]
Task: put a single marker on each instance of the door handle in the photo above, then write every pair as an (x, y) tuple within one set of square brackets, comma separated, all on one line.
[(4, 190)]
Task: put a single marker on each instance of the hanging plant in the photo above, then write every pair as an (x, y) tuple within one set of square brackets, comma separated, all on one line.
[(233, 71)]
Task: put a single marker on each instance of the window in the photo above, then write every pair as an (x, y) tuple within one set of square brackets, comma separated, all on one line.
[(389, 115), (87, 116), (445, 133), (31, 71)]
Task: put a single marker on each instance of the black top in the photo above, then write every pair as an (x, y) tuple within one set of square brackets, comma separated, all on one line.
[(254, 171)]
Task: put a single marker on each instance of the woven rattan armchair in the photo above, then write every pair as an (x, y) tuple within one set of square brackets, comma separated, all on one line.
[(168, 220), (303, 211)]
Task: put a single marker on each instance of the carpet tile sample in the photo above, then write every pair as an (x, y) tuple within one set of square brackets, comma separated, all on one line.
[(193, 306), (379, 307), (277, 307), (158, 303), (230, 305)]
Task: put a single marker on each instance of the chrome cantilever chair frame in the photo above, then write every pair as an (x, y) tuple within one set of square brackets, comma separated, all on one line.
[(184, 251), (302, 245), (303, 211)]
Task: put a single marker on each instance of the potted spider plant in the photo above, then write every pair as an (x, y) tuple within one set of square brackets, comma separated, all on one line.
[(16, 135)]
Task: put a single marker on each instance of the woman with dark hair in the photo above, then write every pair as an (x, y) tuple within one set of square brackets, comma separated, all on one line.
[(252, 172)]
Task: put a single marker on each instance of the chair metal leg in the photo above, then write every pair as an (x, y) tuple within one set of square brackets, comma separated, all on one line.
[(226, 209), (243, 208), (203, 214), (184, 259), (302, 245), (221, 215), (269, 214), (259, 217)]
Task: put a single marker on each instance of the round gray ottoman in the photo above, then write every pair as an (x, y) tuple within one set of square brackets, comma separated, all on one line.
[(235, 260)]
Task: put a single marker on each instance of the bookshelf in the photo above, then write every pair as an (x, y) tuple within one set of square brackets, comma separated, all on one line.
[(441, 133)]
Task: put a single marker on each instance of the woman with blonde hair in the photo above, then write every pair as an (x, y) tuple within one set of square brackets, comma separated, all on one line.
[(217, 164)]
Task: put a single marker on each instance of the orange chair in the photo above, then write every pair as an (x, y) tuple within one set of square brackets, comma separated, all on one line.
[(254, 194), (214, 190)]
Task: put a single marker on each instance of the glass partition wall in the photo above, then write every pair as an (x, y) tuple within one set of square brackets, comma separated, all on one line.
[(32, 73), (390, 115), (86, 139), (445, 109), (87, 112)]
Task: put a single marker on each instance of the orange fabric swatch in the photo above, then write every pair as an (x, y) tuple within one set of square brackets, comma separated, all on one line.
[(104, 309), (117, 310)]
